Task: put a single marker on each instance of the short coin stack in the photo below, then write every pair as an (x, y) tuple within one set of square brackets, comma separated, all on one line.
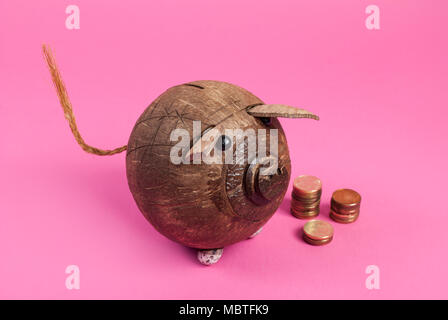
[(317, 232), (345, 205), (306, 194)]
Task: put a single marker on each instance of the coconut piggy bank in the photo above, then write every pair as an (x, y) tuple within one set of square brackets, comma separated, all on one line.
[(207, 162)]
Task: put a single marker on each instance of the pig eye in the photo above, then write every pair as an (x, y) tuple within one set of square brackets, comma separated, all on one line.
[(224, 142), (266, 121)]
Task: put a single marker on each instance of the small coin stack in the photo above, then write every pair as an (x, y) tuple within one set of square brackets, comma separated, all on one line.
[(317, 232), (306, 194), (345, 204)]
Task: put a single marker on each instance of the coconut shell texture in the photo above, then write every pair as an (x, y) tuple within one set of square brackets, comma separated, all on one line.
[(203, 206)]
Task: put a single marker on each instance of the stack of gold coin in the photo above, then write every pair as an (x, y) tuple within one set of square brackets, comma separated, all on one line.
[(317, 232), (345, 205), (306, 194)]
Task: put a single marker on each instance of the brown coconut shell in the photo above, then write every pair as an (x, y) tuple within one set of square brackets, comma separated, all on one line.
[(202, 205)]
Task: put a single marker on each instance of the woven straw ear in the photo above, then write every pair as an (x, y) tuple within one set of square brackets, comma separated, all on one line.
[(280, 110)]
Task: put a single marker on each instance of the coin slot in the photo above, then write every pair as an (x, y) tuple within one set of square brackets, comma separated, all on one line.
[(194, 85)]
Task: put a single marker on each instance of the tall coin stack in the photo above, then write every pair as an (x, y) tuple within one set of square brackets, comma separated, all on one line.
[(306, 194), (345, 205)]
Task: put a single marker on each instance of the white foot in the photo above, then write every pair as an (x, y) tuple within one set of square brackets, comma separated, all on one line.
[(256, 233), (209, 257)]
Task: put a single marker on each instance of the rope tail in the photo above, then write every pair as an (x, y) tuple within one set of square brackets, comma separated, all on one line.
[(67, 107)]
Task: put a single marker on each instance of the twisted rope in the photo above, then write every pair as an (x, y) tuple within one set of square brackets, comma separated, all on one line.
[(67, 107)]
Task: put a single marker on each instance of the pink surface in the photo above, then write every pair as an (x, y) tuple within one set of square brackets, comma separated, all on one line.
[(382, 97)]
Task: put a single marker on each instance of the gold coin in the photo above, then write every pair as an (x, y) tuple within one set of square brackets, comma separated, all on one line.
[(305, 211), (318, 230), (305, 207), (300, 209), (344, 209), (345, 212), (301, 205), (316, 242), (343, 218), (306, 185), (306, 198), (309, 213), (346, 198), (304, 215)]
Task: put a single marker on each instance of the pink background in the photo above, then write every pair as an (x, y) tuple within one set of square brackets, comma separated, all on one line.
[(382, 97)]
